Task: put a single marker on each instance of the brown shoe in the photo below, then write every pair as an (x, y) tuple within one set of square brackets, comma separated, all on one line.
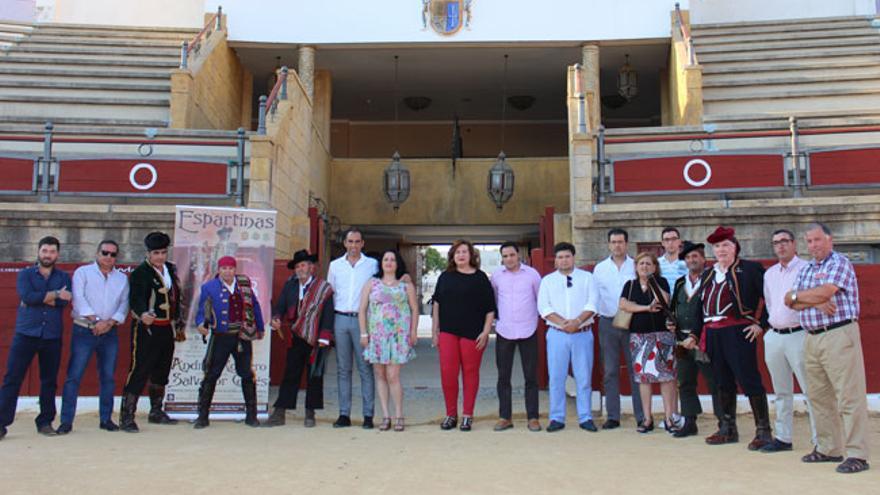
[(503, 424), (534, 425)]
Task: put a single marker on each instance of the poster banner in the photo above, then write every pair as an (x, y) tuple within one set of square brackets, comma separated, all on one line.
[(203, 235)]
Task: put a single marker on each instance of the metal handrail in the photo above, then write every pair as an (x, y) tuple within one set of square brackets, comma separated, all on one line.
[(685, 36), (741, 135), (47, 164), (268, 105), (215, 23)]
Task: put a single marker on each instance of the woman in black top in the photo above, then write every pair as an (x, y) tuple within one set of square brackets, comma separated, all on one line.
[(463, 312), (650, 343)]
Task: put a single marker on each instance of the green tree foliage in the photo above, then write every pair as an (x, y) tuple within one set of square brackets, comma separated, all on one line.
[(434, 261)]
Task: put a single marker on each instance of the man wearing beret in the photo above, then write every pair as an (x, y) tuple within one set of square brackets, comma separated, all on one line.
[(733, 319), (154, 299), (306, 301), (688, 324), (229, 307)]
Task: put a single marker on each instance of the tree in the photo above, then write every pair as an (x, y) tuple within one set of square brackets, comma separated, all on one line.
[(434, 261)]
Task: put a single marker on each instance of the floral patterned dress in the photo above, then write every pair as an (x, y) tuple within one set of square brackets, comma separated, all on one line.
[(388, 322)]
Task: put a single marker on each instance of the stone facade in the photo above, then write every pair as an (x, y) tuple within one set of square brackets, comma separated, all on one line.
[(79, 228), (291, 162), (215, 92)]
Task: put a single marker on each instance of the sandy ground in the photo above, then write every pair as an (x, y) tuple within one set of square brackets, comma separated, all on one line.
[(232, 458)]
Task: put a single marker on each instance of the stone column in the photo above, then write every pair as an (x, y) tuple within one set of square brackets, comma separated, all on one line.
[(306, 69), (590, 56)]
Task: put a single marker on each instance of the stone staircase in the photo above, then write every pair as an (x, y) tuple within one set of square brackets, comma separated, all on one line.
[(86, 78), (809, 68)]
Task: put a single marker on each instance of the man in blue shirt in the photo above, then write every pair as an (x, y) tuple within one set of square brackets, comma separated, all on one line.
[(44, 292), (672, 267)]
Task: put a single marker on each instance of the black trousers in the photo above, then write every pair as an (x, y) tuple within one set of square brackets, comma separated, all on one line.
[(297, 361), (688, 370), (220, 347), (152, 350), (528, 353), (734, 360)]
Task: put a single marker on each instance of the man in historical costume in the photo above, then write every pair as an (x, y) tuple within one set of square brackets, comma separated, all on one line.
[(230, 311), (688, 325), (154, 299), (733, 320), (306, 301)]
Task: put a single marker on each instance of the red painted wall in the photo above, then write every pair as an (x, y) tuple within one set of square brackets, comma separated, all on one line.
[(724, 172)]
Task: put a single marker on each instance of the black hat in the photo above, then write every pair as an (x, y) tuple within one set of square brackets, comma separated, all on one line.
[(300, 256), (689, 246), (156, 240)]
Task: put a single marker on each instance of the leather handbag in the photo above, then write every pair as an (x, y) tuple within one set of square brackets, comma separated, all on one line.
[(623, 319)]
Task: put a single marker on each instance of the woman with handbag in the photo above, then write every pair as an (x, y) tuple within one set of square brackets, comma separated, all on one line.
[(651, 344)]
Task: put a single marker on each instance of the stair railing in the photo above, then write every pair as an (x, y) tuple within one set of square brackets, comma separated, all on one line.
[(215, 23), (685, 35), (268, 105)]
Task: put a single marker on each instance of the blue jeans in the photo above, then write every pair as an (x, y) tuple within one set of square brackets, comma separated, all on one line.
[(21, 353), (347, 334), (575, 348), (82, 344)]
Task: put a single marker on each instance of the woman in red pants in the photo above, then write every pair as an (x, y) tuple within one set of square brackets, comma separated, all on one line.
[(464, 309)]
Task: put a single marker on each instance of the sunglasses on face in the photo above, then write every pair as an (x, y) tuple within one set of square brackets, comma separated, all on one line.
[(111, 254)]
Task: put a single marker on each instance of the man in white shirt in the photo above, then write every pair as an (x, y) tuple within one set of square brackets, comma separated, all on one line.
[(784, 343), (100, 303), (347, 276), (611, 274), (567, 302)]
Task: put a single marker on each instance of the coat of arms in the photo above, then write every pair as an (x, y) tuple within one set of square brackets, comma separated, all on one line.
[(446, 17)]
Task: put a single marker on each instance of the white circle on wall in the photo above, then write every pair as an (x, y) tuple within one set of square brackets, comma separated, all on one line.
[(153, 176), (687, 172)]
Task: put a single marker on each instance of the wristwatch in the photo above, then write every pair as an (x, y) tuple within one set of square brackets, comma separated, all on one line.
[(793, 296)]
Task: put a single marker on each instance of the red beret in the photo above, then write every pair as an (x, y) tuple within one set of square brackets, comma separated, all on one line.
[(722, 234), (226, 261)]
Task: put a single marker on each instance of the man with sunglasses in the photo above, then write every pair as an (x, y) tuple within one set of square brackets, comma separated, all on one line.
[(154, 299), (100, 303)]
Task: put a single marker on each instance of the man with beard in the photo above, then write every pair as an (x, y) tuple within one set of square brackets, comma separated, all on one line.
[(44, 292), (688, 324), (306, 301), (154, 300)]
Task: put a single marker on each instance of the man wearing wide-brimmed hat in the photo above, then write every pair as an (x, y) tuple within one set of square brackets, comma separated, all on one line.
[(306, 302), (154, 300), (688, 324)]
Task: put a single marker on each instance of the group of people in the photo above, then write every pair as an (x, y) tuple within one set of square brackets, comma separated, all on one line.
[(670, 318), (709, 323)]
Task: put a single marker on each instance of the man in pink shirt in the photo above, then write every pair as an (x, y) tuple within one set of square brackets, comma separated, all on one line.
[(784, 344), (516, 291)]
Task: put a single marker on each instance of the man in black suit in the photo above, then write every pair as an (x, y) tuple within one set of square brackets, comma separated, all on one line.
[(306, 302)]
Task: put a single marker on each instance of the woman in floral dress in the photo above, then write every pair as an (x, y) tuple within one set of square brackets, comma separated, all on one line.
[(389, 320)]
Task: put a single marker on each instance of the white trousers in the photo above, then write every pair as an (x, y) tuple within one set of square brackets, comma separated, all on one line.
[(784, 355)]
